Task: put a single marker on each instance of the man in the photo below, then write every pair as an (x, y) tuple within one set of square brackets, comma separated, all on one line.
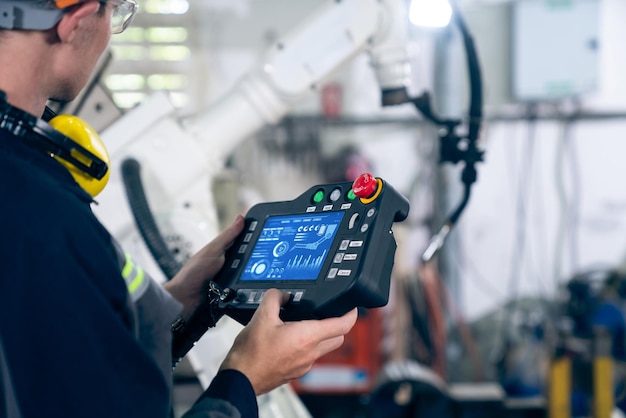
[(71, 340)]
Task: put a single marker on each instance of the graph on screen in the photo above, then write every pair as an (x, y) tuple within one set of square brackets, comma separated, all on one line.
[(292, 247)]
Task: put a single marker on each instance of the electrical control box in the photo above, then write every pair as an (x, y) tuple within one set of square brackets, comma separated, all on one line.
[(555, 49)]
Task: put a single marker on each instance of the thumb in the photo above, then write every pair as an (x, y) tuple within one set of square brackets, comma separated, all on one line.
[(269, 309)]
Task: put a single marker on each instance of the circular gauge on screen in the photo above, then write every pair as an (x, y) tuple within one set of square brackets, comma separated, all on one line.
[(260, 269), (281, 249)]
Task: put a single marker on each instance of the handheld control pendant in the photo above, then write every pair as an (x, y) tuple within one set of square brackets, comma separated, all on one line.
[(332, 249)]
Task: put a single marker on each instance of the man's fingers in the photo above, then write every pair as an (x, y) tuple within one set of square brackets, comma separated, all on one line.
[(329, 345), (340, 325), (332, 327), (322, 329), (227, 236)]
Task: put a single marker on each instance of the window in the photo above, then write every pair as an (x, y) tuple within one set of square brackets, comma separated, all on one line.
[(154, 54)]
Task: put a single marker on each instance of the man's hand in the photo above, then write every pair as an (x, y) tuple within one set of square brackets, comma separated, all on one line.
[(271, 352), (190, 284)]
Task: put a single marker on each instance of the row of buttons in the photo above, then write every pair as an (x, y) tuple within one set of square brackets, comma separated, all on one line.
[(244, 247), (255, 296), (334, 195), (346, 244), (340, 257)]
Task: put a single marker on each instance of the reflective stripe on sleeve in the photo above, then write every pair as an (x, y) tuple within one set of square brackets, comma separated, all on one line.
[(135, 278)]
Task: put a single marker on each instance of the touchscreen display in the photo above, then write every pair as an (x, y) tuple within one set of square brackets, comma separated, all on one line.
[(292, 247)]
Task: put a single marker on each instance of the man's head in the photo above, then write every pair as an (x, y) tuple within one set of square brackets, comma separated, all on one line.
[(49, 48), (44, 14)]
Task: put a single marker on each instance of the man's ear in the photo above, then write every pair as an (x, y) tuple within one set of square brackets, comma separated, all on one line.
[(74, 18)]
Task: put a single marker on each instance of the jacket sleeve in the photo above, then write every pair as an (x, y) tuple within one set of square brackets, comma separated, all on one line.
[(230, 395), (155, 310)]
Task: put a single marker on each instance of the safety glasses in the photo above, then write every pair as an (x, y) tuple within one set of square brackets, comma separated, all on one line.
[(123, 14)]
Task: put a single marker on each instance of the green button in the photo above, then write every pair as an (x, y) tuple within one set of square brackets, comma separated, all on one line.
[(351, 195), (318, 196)]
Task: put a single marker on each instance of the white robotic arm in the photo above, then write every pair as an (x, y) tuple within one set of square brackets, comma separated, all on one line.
[(180, 156), (298, 62)]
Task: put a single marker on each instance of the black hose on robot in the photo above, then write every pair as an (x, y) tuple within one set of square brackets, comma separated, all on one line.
[(144, 219), (453, 147)]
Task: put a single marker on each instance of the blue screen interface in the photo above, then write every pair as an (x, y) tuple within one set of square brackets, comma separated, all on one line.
[(292, 247)]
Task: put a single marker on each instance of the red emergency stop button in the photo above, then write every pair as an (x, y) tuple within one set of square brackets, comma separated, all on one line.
[(365, 186)]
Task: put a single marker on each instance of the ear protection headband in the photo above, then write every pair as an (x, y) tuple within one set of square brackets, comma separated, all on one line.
[(70, 140)]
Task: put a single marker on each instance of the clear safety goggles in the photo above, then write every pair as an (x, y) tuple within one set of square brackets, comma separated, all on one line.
[(123, 14), (35, 15)]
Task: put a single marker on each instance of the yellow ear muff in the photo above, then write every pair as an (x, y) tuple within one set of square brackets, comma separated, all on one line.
[(81, 132)]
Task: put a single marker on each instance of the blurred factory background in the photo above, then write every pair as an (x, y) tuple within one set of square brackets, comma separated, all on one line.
[(521, 312)]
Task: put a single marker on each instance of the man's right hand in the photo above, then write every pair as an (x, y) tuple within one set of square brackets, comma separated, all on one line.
[(271, 352)]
